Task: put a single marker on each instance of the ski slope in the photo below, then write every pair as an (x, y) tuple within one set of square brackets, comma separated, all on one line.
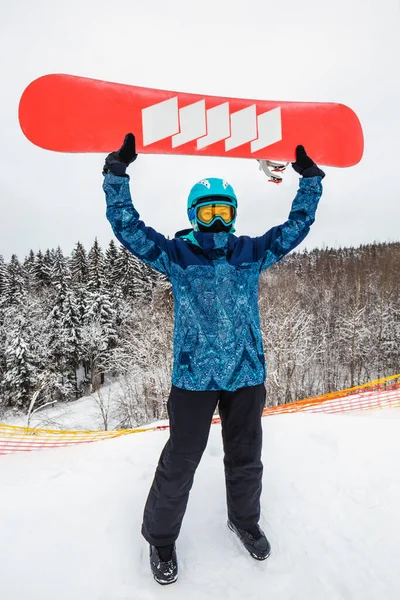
[(70, 518)]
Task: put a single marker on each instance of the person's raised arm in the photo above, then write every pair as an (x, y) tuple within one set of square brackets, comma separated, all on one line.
[(144, 242), (280, 240)]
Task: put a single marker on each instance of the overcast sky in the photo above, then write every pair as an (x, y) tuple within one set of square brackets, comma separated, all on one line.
[(344, 51)]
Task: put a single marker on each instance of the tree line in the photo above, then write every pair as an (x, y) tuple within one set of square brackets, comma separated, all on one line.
[(330, 319)]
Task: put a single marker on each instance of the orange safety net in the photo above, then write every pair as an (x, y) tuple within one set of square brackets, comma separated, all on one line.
[(382, 393)]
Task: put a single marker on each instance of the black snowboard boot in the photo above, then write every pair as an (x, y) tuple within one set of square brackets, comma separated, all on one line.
[(254, 540), (164, 564)]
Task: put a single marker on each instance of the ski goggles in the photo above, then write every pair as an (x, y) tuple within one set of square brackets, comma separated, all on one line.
[(208, 213)]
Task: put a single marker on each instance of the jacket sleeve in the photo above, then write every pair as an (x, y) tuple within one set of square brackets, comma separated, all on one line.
[(280, 240), (144, 242)]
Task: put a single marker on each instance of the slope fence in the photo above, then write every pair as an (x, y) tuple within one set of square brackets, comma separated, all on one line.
[(381, 393)]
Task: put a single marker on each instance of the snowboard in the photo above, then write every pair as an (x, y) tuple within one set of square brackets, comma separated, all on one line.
[(66, 113)]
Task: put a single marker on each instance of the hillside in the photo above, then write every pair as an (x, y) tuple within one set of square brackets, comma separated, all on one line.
[(70, 518)]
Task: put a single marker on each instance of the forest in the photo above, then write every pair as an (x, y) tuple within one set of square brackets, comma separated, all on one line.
[(330, 320)]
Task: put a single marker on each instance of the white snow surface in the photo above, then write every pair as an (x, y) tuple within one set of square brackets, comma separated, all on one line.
[(82, 414), (70, 518), (85, 414)]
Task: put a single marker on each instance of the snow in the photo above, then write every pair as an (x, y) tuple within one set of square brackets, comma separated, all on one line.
[(378, 413), (83, 414), (70, 518)]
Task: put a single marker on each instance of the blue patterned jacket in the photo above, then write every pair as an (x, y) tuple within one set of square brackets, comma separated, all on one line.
[(217, 336)]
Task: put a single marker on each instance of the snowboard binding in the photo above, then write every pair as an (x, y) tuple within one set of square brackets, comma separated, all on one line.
[(272, 170)]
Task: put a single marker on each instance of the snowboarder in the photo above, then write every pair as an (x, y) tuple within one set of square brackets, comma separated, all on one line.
[(218, 352)]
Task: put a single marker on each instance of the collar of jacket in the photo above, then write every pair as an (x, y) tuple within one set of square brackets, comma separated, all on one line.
[(206, 241)]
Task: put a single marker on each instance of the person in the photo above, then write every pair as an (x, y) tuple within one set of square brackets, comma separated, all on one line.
[(218, 358)]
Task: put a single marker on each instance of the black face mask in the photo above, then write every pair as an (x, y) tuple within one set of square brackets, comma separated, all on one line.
[(216, 227)]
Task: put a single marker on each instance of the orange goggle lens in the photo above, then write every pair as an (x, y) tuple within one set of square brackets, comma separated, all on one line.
[(206, 214)]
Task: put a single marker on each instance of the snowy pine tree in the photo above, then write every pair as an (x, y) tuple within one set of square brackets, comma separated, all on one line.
[(48, 259), (111, 265), (41, 272), (64, 324), (96, 267), (130, 275), (79, 265), (4, 280), (28, 270), (60, 276), (29, 260), (99, 334), (19, 376), (71, 336), (16, 281)]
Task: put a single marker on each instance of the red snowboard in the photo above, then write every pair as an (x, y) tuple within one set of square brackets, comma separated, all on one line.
[(74, 114)]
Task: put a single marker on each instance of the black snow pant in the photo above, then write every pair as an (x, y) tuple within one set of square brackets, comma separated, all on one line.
[(190, 415)]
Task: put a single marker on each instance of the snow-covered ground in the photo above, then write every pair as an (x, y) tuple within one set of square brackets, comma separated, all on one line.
[(85, 413), (82, 414), (70, 518), (79, 414)]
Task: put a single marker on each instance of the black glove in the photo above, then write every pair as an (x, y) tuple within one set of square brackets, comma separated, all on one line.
[(305, 165), (117, 162)]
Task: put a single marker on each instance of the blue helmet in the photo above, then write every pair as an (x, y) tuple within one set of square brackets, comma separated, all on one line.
[(206, 189)]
